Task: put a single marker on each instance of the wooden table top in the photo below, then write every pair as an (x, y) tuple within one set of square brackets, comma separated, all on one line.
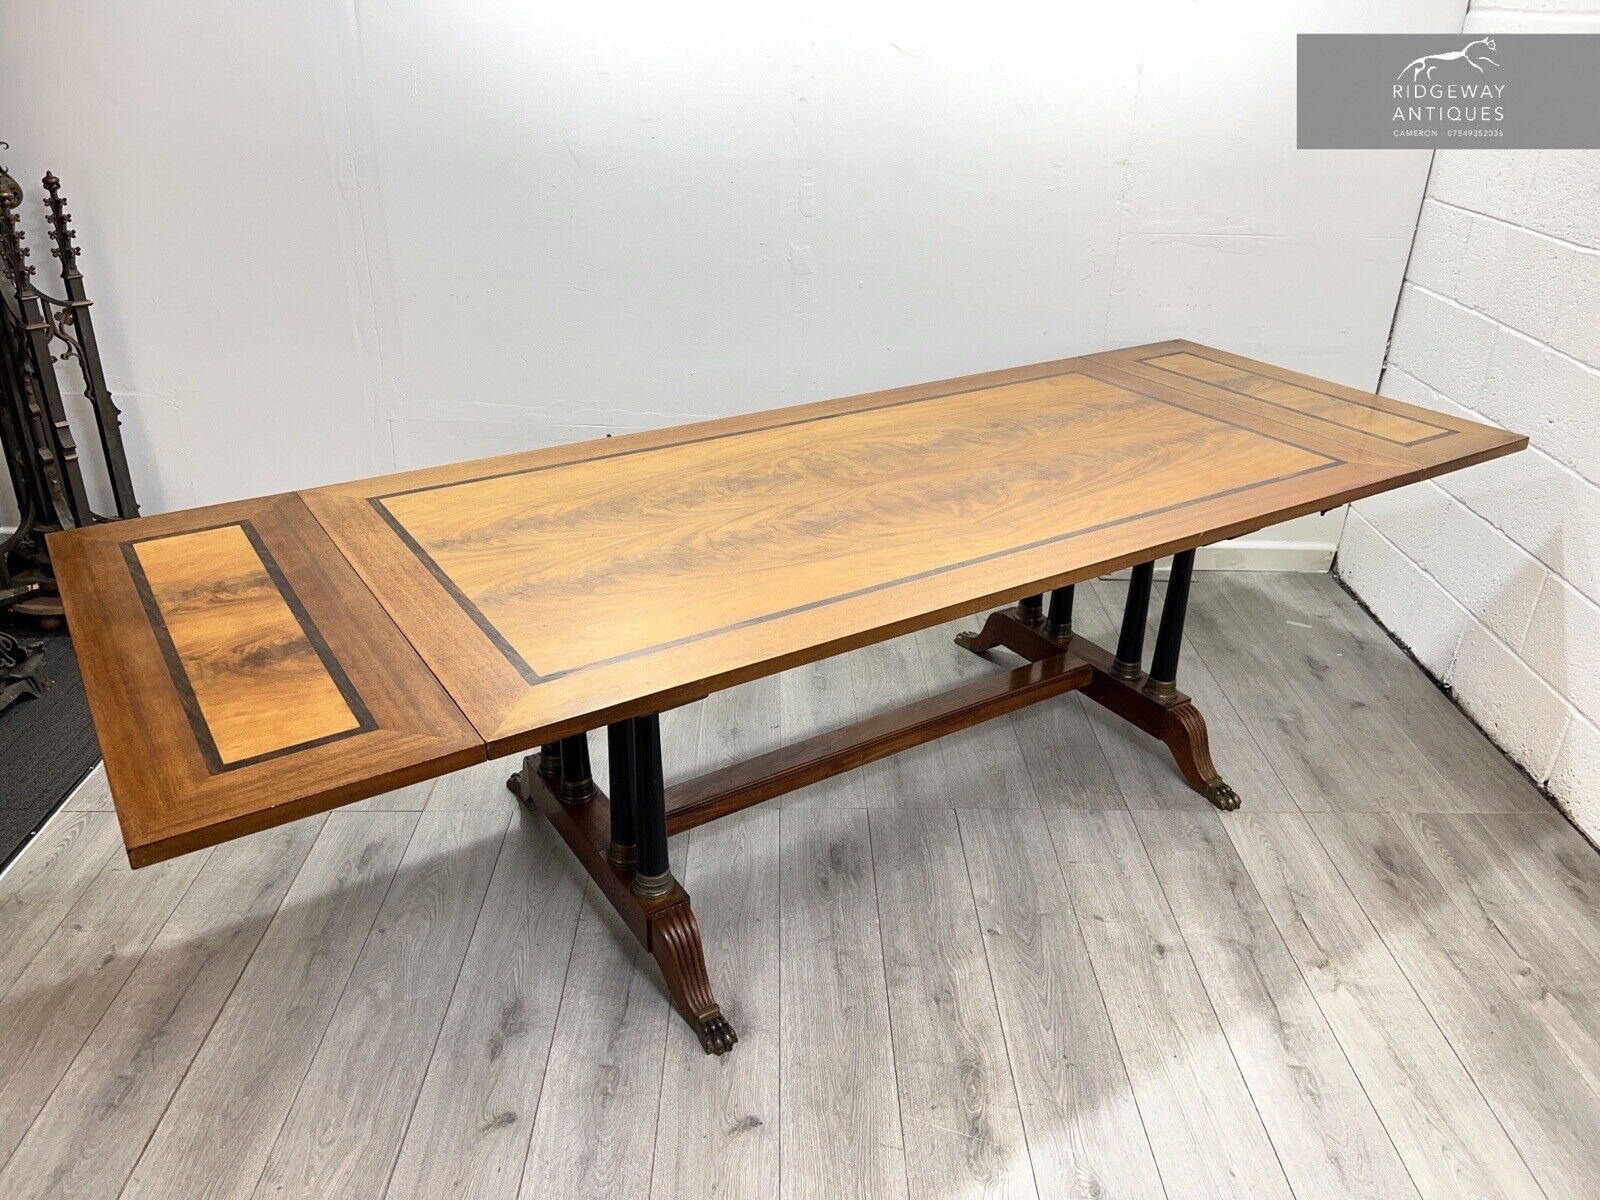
[(240, 674)]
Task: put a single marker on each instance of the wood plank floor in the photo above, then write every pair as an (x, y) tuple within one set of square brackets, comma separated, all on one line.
[(1022, 962)]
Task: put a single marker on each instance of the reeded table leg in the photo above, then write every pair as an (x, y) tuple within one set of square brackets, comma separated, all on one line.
[(1184, 730), (674, 933), (622, 843)]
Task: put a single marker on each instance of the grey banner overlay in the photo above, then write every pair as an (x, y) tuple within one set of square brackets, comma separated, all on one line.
[(1485, 91)]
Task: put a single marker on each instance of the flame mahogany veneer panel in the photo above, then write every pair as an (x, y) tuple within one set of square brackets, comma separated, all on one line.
[(238, 643)]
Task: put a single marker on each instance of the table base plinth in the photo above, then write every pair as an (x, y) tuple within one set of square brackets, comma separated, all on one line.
[(1158, 709), (665, 925)]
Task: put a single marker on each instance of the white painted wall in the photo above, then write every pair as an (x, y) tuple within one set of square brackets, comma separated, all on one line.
[(332, 238), (1492, 575)]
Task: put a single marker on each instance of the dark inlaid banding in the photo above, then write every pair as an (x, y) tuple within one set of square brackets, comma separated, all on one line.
[(1312, 402), (255, 675)]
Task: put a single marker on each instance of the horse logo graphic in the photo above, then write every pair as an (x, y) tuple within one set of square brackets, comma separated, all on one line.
[(1424, 67)]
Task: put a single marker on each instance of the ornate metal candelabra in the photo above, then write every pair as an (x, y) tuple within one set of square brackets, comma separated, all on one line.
[(40, 451)]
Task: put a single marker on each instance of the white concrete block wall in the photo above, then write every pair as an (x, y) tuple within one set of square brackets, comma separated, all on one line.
[(1492, 576)]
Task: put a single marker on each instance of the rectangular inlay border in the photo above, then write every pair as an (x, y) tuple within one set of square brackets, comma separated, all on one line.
[(532, 677), (1444, 431), (180, 674)]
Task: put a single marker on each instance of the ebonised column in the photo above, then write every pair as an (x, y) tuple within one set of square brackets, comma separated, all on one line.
[(623, 850), (577, 784), (1058, 625), (654, 877), (1129, 662), (1030, 609), (1163, 682)]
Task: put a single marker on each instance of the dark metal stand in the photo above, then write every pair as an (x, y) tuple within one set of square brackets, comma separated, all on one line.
[(21, 669), (40, 451), (85, 347)]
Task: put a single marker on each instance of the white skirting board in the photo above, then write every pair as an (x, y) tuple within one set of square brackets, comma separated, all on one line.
[(1254, 556)]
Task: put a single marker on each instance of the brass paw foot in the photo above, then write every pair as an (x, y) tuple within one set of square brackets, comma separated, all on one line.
[(716, 1035), (1223, 796), (514, 786), (967, 640), (675, 942)]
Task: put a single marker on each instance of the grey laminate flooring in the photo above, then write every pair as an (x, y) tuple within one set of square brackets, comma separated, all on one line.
[(1024, 961)]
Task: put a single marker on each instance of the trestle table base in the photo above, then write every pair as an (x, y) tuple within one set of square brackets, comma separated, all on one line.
[(602, 832)]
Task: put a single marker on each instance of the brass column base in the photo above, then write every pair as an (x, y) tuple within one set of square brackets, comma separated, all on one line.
[(619, 855), (1161, 689), (653, 885), (576, 792)]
